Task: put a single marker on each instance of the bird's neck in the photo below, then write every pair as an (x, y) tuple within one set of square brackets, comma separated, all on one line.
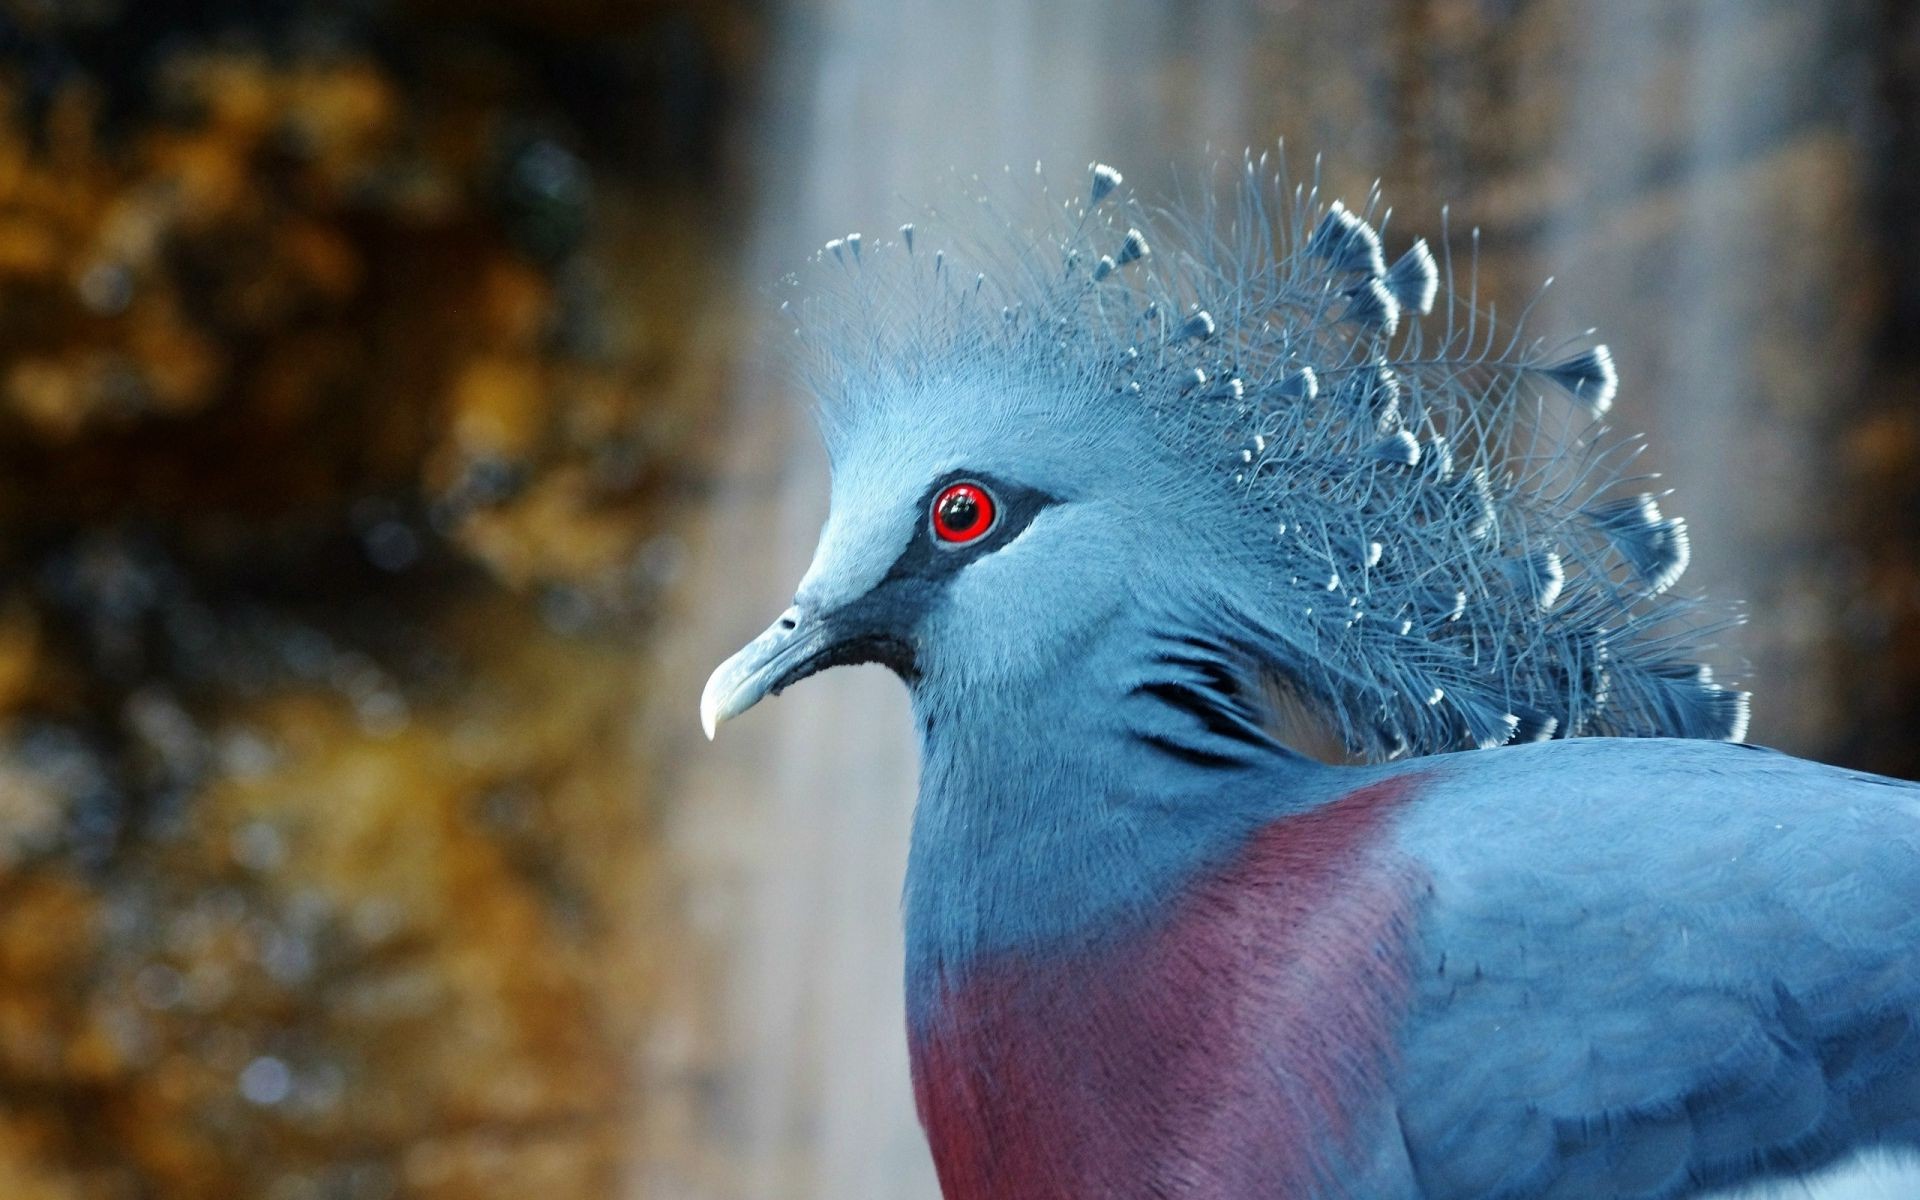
[(1060, 814)]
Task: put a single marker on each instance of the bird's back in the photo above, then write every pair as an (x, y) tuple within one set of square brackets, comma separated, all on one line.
[(1648, 967)]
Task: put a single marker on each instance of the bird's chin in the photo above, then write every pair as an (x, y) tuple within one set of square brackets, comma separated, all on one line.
[(883, 649)]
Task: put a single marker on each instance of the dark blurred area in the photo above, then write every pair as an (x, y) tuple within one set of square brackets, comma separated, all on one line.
[(366, 369), (345, 353)]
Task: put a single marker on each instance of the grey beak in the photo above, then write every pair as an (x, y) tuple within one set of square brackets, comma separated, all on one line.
[(804, 641), (763, 665)]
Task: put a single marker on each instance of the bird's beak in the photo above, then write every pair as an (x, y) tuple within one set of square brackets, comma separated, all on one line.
[(766, 664), (800, 644)]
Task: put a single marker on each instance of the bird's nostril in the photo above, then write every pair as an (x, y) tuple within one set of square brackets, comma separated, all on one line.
[(787, 622)]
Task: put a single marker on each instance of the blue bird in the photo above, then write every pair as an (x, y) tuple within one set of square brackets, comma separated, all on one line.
[(1144, 504)]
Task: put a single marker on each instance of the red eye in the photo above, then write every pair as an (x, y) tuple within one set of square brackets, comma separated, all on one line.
[(962, 512)]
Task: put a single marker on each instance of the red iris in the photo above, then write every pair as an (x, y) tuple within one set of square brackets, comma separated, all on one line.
[(962, 512)]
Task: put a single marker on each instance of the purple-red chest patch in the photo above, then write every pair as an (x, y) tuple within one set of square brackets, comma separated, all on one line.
[(1229, 1050)]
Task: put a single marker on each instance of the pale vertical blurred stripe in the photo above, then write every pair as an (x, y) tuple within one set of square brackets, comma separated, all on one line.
[(875, 105)]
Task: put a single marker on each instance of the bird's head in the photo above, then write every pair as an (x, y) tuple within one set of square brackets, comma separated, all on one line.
[(1246, 445), (981, 530)]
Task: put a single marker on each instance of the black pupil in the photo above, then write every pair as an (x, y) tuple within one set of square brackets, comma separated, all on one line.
[(959, 511)]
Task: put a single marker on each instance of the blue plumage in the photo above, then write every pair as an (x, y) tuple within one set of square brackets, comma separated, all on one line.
[(1143, 506), (1690, 964)]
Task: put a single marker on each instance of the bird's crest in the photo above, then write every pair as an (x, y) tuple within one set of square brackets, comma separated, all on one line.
[(1414, 516)]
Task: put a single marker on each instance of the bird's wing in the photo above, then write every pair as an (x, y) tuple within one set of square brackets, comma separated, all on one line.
[(1649, 966)]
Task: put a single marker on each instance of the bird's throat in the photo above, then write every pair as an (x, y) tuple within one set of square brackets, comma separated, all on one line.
[(1046, 818)]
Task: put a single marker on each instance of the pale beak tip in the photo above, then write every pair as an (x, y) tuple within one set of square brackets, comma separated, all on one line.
[(710, 700), (739, 683)]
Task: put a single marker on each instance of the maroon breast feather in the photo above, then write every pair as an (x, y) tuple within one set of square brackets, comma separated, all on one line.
[(1236, 1046)]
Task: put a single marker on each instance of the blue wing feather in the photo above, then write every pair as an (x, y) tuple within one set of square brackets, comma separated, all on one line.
[(1688, 964)]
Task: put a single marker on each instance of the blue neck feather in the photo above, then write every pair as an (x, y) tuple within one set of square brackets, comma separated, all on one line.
[(1060, 815)]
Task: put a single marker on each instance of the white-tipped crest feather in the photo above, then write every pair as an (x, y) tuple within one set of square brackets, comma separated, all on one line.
[(1348, 446)]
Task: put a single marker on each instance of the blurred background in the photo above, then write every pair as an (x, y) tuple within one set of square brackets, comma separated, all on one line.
[(389, 444)]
